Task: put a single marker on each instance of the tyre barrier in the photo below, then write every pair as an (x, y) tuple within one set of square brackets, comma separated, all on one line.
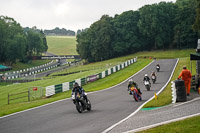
[(180, 91), (53, 89)]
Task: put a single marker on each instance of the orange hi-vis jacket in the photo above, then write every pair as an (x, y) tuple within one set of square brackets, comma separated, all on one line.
[(185, 74)]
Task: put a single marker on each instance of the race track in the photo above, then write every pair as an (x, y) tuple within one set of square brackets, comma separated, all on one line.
[(108, 107)]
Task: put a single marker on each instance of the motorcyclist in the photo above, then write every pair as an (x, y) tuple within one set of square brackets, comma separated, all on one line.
[(153, 74), (146, 78), (133, 84), (80, 90), (158, 66)]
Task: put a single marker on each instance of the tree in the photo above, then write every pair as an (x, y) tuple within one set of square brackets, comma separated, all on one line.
[(184, 36), (196, 25), (127, 36), (156, 24)]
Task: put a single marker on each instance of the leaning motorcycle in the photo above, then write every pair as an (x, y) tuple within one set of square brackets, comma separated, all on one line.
[(147, 85), (136, 95), (81, 103), (153, 78)]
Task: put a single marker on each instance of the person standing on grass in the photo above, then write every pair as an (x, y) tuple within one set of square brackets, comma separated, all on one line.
[(186, 76)]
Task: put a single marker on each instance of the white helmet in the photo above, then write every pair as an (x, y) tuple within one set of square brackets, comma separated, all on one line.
[(145, 75), (130, 80)]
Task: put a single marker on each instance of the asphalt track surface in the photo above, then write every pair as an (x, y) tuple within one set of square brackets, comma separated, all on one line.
[(108, 107)]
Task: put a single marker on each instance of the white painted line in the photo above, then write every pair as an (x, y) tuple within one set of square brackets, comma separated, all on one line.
[(187, 102), (111, 127), (161, 123), (70, 98)]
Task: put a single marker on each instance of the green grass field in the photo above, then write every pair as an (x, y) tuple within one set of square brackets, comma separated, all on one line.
[(61, 45)]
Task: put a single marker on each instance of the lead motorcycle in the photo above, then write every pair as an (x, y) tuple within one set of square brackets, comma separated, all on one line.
[(136, 95), (158, 68), (81, 103)]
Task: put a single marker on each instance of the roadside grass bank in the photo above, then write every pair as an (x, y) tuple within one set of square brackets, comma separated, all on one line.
[(109, 81), (190, 125), (166, 54), (61, 45)]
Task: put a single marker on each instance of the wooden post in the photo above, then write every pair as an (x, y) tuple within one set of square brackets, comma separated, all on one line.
[(8, 98), (28, 94)]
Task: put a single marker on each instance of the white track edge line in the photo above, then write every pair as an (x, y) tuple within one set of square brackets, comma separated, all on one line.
[(111, 127), (70, 98), (162, 123), (187, 102)]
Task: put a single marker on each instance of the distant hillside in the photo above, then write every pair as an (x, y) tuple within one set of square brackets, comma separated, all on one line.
[(59, 32)]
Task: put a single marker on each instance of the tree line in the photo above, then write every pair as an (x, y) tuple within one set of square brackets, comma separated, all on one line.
[(161, 26), (16, 44), (58, 31)]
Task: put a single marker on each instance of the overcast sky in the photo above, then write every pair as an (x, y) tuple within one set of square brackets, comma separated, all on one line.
[(69, 14)]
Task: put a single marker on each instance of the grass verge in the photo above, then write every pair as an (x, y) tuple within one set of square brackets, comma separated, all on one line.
[(190, 125)]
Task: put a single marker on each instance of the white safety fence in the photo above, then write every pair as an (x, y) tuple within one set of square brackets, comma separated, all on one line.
[(53, 89)]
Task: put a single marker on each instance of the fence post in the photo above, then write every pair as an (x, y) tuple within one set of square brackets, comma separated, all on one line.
[(8, 99), (29, 94)]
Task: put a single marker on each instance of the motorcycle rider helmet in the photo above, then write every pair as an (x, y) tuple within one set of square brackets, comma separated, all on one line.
[(130, 81), (75, 84), (145, 75)]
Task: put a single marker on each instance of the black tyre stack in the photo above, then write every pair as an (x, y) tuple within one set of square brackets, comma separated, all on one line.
[(180, 91)]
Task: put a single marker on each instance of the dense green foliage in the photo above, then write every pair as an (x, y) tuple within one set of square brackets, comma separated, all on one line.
[(58, 31), (16, 44), (159, 26)]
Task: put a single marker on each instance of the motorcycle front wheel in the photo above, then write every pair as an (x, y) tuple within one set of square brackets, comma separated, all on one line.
[(135, 96), (79, 107)]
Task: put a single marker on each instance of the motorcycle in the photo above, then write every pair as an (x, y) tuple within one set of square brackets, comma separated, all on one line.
[(136, 95), (153, 78), (81, 103), (157, 68), (147, 85)]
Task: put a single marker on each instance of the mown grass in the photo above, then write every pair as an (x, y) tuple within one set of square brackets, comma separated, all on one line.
[(190, 125), (166, 54), (97, 85), (61, 45)]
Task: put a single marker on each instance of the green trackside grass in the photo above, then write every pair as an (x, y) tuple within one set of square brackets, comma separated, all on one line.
[(165, 97), (167, 54), (97, 85), (61, 45), (190, 125)]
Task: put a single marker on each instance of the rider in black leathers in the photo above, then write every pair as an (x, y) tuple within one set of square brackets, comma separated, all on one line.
[(80, 90)]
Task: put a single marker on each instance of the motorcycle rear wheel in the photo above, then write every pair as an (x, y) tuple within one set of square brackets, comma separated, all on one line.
[(89, 107)]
